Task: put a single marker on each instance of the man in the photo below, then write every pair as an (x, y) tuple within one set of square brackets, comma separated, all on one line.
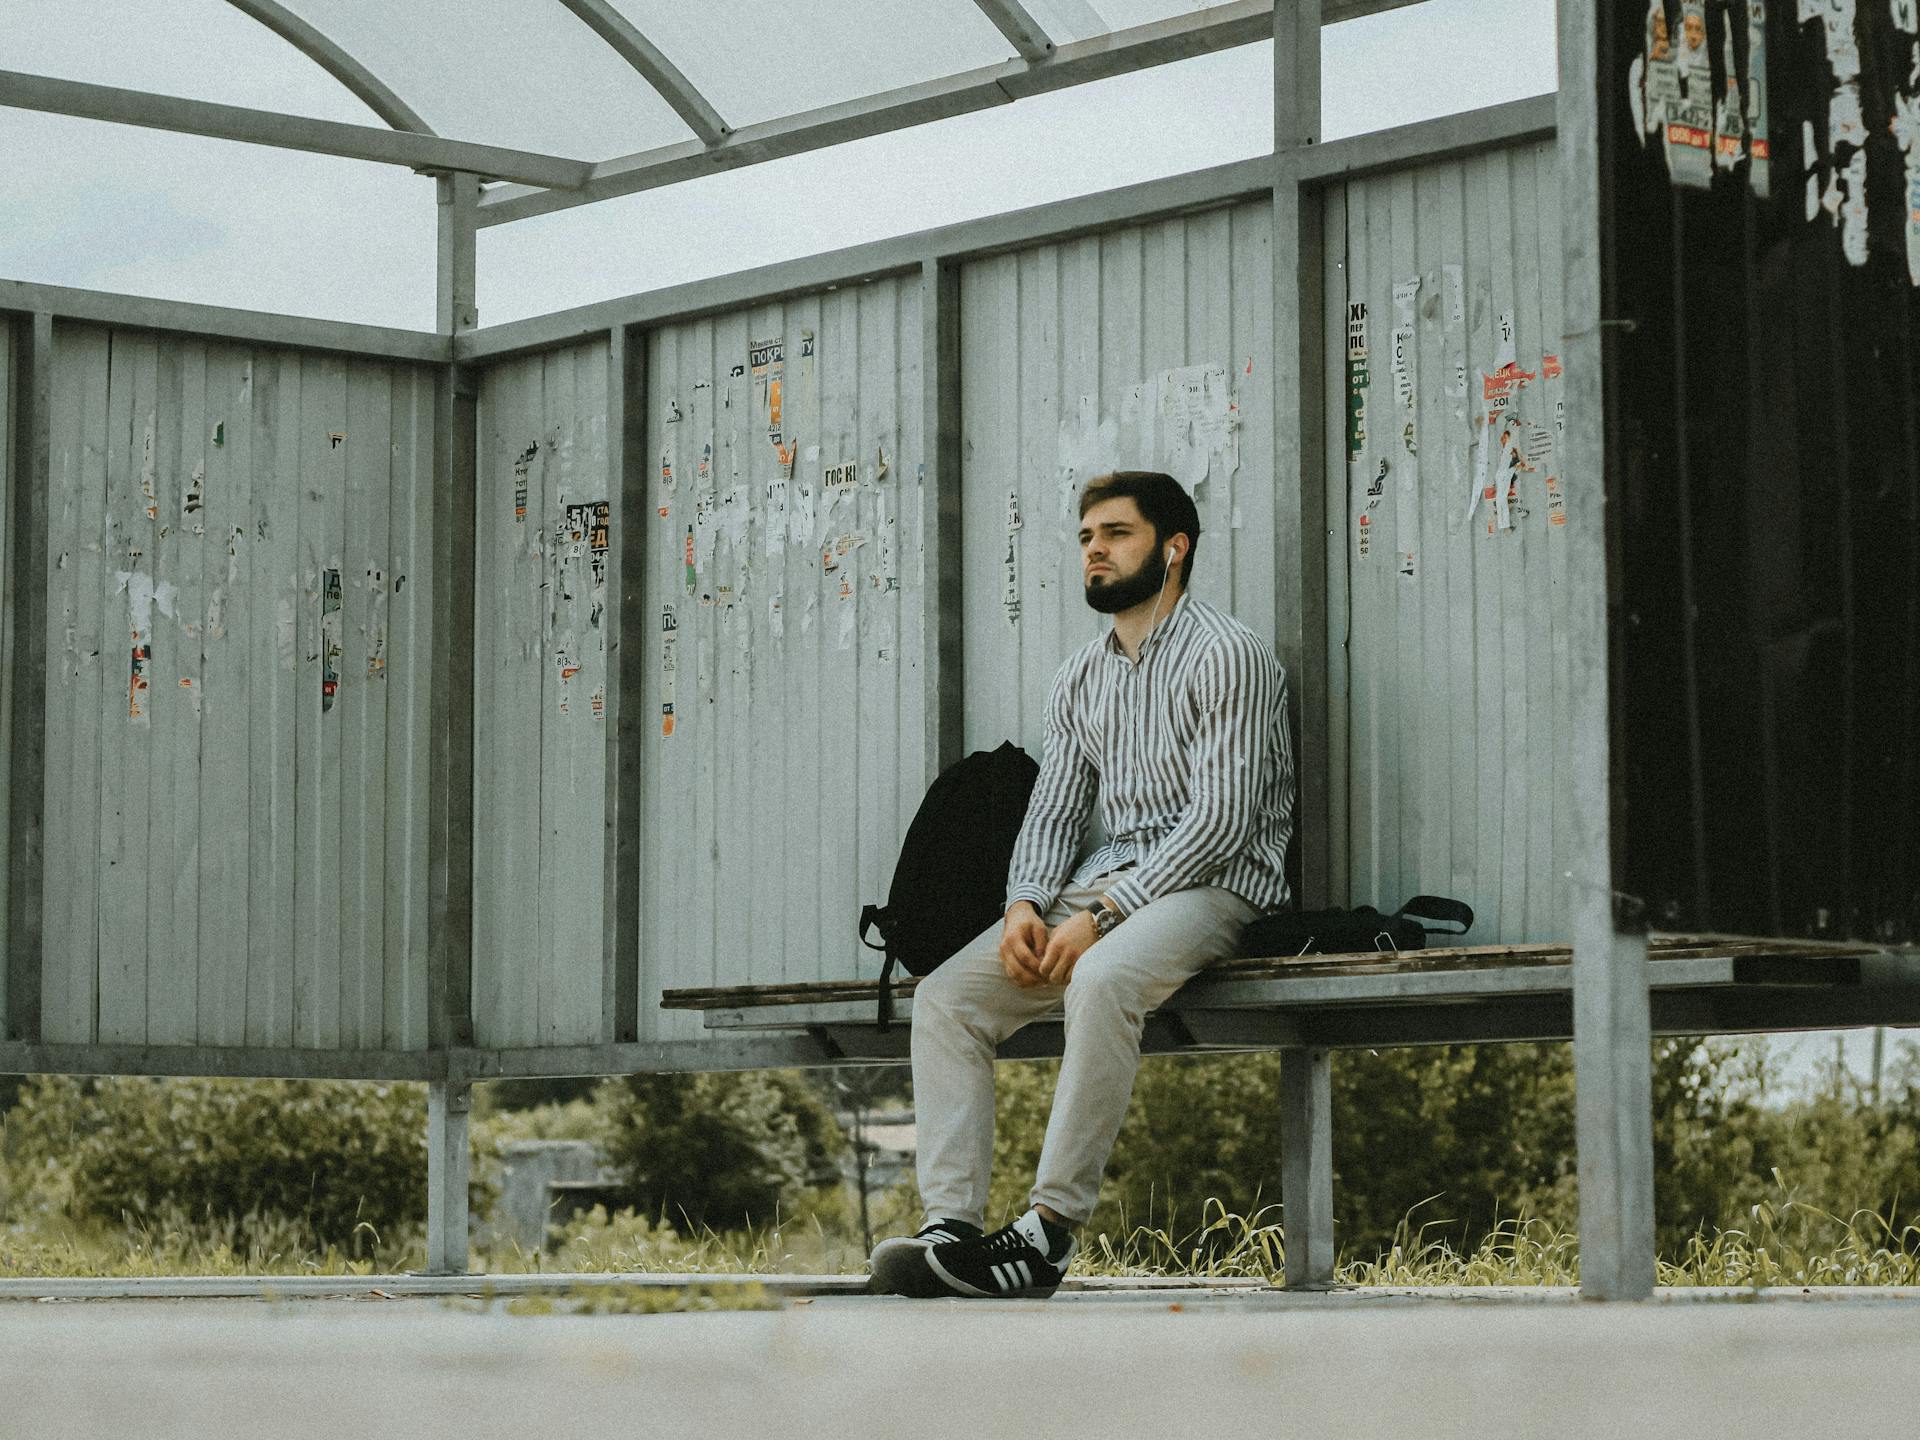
[(1177, 718)]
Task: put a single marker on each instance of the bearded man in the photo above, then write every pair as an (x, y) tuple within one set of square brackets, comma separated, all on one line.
[(1175, 720)]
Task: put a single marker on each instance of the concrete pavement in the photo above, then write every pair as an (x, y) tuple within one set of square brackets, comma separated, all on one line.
[(1139, 1362)]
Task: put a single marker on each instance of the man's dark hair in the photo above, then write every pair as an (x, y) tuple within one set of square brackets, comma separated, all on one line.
[(1164, 504)]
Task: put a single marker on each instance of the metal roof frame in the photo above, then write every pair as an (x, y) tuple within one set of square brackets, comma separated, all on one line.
[(329, 56), (536, 184)]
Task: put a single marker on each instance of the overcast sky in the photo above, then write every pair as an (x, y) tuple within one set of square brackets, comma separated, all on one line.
[(113, 208)]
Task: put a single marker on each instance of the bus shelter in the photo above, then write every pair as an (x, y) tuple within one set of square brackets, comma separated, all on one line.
[(406, 705)]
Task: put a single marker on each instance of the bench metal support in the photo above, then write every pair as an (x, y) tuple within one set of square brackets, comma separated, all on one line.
[(449, 1103), (1306, 1166)]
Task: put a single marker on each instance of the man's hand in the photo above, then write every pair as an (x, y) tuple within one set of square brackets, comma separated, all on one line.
[(1068, 943), (1022, 943)]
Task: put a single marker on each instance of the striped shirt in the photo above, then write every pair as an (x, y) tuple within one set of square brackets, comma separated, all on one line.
[(1189, 751)]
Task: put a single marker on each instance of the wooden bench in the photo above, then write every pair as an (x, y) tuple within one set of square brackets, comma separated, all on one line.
[(1308, 1006)]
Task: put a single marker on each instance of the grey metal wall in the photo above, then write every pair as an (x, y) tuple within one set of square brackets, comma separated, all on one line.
[(1449, 669), (238, 628), (791, 649), (547, 519), (1147, 346), (7, 440)]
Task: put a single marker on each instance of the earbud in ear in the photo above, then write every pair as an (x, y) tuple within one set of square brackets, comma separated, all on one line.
[(1170, 555)]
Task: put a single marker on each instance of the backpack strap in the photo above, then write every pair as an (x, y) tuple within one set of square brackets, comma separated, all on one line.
[(885, 1018), (1438, 907), (871, 916)]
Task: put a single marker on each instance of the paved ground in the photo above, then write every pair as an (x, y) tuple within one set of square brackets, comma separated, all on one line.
[(1130, 1363)]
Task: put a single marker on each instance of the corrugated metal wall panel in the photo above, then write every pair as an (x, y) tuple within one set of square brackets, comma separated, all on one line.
[(775, 807), (1451, 668), (543, 618), (235, 797), (1064, 350), (7, 640)]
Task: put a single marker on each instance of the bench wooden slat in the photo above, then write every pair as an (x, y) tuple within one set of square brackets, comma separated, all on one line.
[(1365, 962)]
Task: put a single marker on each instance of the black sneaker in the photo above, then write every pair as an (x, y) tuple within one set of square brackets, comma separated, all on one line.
[(899, 1264), (1022, 1259)]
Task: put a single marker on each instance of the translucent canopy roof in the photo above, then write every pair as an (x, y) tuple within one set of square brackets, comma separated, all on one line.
[(561, 102)]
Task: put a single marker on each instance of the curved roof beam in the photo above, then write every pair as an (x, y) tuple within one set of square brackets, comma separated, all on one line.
[(316, 46), (658, 71), (1013, 20)]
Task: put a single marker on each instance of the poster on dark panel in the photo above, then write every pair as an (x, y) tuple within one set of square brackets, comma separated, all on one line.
[(1760, 210)]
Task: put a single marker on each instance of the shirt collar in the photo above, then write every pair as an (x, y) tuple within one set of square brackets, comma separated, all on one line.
[(1173, 618)]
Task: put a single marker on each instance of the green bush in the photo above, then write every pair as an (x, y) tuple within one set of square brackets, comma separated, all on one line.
[(719, 1151), (1464, 1135), (1462, 1141), (335, 1155)]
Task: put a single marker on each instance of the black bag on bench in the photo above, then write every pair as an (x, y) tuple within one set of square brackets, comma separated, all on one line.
[(1345, 932), (951, 880)]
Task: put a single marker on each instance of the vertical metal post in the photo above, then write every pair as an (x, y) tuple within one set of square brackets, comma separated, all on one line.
[(1306, 1094), (30, 479), (449, 1104), (626, 721), (1300, 556), (1306, 1166), (1612, 1029), (940, 511), (450, 823)]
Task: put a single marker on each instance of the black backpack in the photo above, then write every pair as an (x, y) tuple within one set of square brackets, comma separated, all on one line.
[(1343, 932), (951, 880)]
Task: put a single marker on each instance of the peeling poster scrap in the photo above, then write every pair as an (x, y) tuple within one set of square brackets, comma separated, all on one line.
[(331, 648), (669, 666), (1010, 591), (1356, 379), (521, 466)]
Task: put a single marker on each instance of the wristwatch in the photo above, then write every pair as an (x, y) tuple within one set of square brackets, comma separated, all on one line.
[(1106, 919)]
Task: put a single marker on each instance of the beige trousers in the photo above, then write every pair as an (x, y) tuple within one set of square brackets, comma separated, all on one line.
[(964, 1010)]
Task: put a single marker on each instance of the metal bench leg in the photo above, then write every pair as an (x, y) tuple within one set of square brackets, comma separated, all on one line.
[(1306, 1166), (448, 1105), (1613, 1114)]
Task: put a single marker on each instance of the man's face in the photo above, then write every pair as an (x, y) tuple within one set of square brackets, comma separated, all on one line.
[(1121, 560)]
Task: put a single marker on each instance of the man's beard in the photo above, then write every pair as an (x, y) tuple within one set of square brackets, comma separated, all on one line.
[(1123, 592)]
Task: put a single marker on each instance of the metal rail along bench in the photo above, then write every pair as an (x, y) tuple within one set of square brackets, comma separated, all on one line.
[(1308, 1006)]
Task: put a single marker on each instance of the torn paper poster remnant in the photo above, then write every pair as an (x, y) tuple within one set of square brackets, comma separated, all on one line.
[(1653, 81), (1689, 132), (1010, 590), (773, 522), (762, 355), (1357, 380), (148, 472), (522, 467), (1906, 134), (140, 665), (331, 646), (669, 666), (840, 477), (1759, 137), (886, 575), (1087, 446)]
